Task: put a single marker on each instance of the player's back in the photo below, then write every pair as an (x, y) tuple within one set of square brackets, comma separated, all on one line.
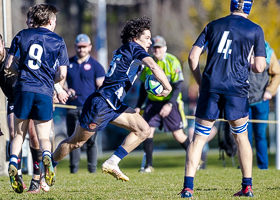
[(231, 41), (41, 51)]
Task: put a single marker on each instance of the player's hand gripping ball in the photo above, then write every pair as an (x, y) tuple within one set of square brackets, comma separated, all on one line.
[(153, 86)]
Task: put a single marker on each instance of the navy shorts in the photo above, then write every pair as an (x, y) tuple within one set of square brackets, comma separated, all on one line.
[(172, 122), (97, 113), (30, 105), (212, 106)]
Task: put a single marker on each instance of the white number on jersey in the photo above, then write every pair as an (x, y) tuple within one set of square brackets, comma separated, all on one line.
[(225, 44), (113, 65), (35, 48)]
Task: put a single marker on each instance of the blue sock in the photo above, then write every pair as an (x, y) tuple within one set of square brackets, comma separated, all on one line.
[(121, 152), (14, 160), (188, 183), (54, 163), (246, 182)]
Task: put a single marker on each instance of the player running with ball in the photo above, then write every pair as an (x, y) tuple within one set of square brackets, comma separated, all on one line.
[(105, 106)]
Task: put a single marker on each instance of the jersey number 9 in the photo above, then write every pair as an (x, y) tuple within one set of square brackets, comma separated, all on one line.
[(35, 53)]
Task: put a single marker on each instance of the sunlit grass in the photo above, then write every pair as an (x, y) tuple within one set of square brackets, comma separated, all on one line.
[(216, 182)]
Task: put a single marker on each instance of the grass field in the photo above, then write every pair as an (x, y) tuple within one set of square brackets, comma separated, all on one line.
[(216, 182)]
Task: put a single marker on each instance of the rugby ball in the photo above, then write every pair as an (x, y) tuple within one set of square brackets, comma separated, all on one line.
[(153, 86)]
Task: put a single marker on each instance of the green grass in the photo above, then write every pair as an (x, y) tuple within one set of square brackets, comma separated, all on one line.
[(216, 182)]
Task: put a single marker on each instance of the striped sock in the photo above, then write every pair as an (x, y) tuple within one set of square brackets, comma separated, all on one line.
[(14, 160)]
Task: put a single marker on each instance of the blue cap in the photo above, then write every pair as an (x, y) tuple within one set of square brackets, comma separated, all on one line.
[(82, 40)]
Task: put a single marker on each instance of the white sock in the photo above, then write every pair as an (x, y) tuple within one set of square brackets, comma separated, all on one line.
[(19, 172)]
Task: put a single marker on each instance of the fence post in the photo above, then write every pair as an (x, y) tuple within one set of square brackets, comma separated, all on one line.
[(277, 103)]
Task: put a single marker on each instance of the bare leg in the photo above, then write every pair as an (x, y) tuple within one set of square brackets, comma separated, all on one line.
[(180, 136), (34, 142), (10, 119), (245, 154), (140, 130), (43, 129), (77, 140), (195, 149), (21, 127), (135, 123)]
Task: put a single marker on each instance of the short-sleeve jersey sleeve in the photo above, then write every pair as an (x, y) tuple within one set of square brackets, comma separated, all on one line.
[(259, 46), (15, 44), (201, 41), (139, 52), (63, 55)]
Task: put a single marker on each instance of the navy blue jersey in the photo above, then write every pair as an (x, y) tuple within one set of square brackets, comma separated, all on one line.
[(41, 52), (124, 69), (230, 42), (82, 78)]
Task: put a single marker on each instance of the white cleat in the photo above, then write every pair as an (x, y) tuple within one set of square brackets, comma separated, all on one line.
[(114, 170), (45, 187)]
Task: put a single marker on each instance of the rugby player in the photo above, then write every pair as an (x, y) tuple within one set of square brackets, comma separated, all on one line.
[(43, 60), (105, 105), (235, 45)]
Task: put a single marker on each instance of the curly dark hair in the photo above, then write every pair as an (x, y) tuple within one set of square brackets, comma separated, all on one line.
[(134, 28), (42, 13)]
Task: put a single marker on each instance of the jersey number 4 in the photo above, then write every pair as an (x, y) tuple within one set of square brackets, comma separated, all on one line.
[(225, 45), (35, 53)]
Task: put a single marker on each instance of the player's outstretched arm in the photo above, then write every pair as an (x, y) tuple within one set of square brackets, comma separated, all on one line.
[(11, 64), (193, 60), (159, 75)]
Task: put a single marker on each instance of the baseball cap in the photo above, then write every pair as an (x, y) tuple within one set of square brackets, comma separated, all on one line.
[(158, 41), (82, 40)]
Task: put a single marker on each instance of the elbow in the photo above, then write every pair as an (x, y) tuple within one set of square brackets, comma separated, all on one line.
[(62, 77)]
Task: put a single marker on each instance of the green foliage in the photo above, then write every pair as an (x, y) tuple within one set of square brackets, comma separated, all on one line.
[(216, 182), (265, 13)]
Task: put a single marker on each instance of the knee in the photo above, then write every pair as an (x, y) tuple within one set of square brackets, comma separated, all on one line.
[(146, 131), (76, 145)]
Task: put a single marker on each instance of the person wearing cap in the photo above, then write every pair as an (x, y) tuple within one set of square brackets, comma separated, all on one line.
[(84, 76), (235, 45), (163, 112)]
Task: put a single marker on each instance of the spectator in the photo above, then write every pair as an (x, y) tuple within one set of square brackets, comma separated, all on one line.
[(84, 76), (263, 87)]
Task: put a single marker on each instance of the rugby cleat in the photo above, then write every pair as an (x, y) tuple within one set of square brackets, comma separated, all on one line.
[(113, 170), (34, 187), (186, 193), (43, 183), (248, 192), (48, 171), (14, 179), (21, 180)]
